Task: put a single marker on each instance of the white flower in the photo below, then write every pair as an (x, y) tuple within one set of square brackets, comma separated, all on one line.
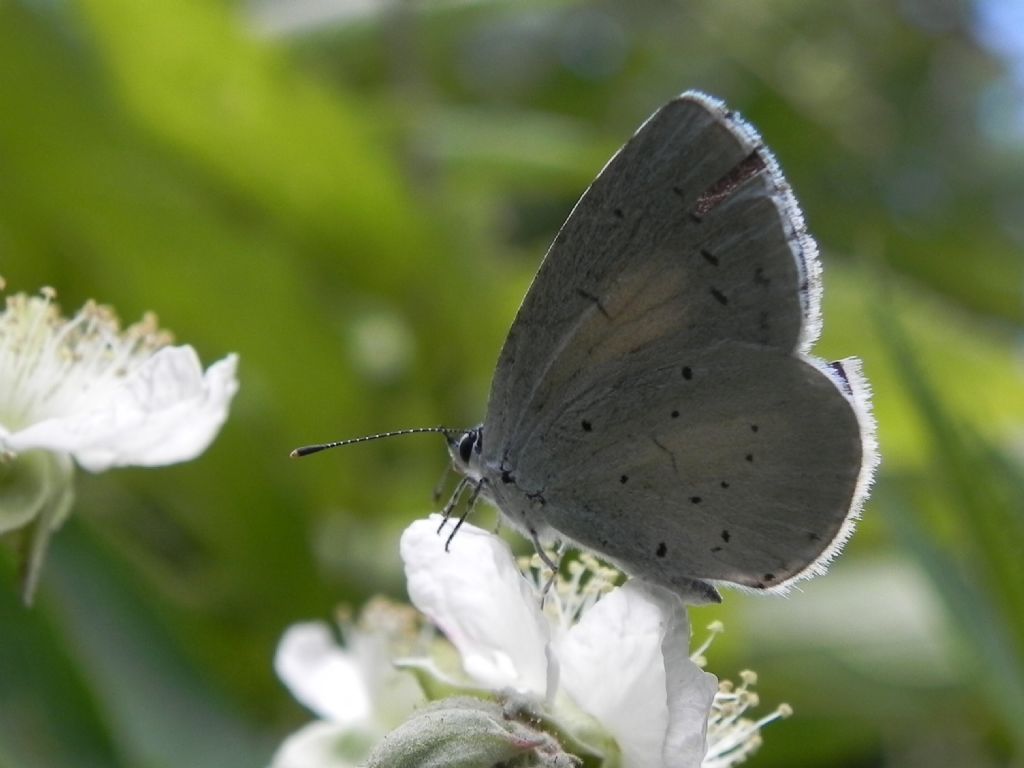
[(591, 670), (82, 389), (622, 659), (355, 690)]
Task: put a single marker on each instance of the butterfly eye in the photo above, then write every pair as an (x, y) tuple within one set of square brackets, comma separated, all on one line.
[(466, 446)]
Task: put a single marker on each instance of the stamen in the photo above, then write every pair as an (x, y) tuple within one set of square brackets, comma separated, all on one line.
[(732, 738), (715, 628)]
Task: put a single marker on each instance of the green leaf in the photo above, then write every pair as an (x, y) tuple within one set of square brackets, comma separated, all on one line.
[(963, 517)]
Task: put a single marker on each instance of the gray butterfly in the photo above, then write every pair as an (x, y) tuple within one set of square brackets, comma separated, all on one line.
[(655, 401)]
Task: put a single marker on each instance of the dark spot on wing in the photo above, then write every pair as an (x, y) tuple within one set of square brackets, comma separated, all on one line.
[(624, 479), (769, 577), (724, 484), (675, 414), (618, 213), (687, 372), (587, 426), (720, 297), (662, 550), (813, 536), (754, 427), (507, 477), (726, 186), (716, 549), (749, 457), (695, 499), (759, 277), (709, 257), (725, 536)]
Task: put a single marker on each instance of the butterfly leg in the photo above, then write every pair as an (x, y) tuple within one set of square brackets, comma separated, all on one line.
[(469, 508), (452, 502), (553, 565)]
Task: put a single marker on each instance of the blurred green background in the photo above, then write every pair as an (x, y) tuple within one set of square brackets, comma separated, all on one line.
[(354, 196)]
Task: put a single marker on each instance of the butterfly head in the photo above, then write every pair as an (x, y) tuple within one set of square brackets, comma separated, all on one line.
[(465, 449)]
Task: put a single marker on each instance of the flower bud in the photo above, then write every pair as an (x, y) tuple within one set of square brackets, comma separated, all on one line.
[(465, 733)]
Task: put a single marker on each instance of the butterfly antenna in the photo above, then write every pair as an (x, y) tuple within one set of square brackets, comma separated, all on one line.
[(308, 449)]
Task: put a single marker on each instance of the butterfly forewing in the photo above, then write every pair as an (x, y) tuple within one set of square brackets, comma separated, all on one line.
[(650, 251)]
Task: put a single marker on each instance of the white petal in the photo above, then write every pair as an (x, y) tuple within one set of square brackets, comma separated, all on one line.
[(321, 675), (319, 745), (163, 412), (612, 667), (476, 595), (691, 690)]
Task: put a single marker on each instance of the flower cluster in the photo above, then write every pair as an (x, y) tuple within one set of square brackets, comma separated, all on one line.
[(82, 390), (584, 672)]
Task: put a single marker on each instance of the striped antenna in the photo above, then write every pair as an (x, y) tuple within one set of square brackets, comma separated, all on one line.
[(308, 449)]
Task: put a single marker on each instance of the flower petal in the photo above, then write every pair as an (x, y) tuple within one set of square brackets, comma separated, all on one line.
[(476, 595), (691, 690), (321, 675), (323, 745), (165, 411), (613, 667)]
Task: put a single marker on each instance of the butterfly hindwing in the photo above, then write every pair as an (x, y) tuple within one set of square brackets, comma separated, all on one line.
[(744, 471)]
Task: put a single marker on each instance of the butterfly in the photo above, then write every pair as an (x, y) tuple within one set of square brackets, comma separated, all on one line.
[(656, 401)]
